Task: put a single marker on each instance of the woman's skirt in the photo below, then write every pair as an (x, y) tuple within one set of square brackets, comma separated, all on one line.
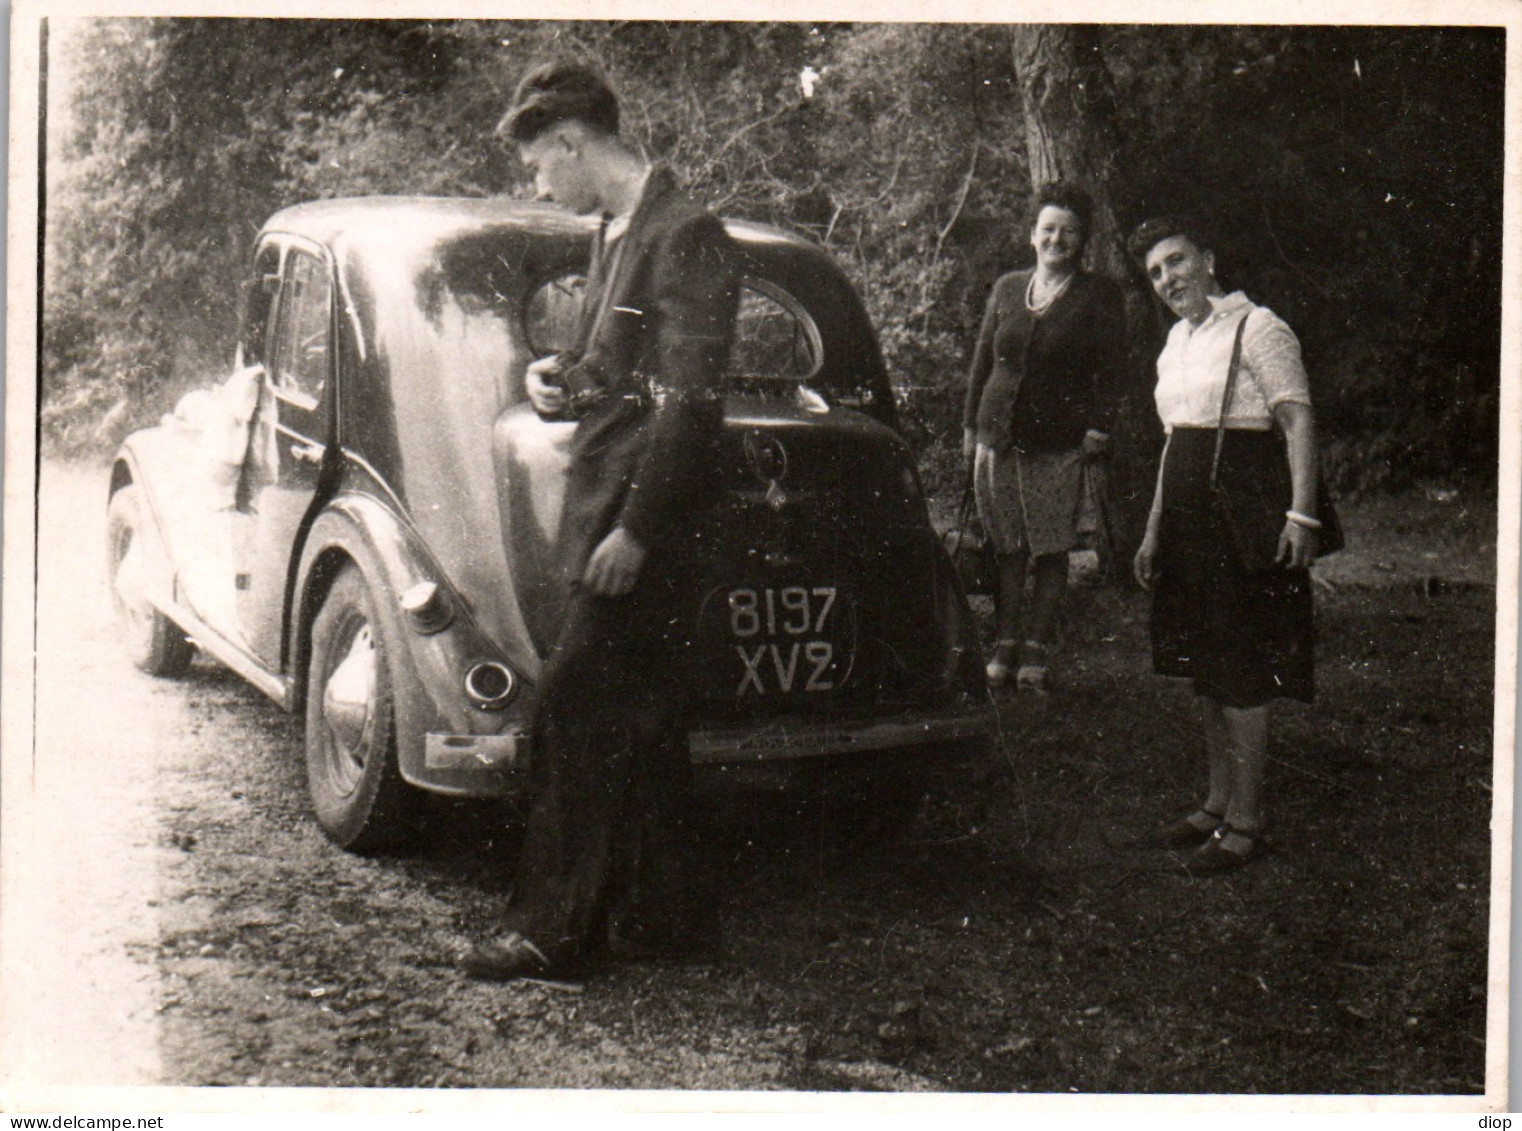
[(1029, 501), (1244, 636)]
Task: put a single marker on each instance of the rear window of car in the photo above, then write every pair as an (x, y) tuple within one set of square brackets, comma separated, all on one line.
[(775, 339), (552, 317)]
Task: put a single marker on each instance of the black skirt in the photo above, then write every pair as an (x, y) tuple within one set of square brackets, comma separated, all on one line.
[(1244, 636)]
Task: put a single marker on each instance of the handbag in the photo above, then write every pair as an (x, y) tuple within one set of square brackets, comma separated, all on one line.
[(971, 552), (1253, 526), (1098, 522)]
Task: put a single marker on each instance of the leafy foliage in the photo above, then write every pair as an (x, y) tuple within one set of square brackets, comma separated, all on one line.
[(926, 192), (1355, 186), (1354, 173)]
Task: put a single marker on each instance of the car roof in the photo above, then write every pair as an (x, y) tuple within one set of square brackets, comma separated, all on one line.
[(375, 236), (426, 219)]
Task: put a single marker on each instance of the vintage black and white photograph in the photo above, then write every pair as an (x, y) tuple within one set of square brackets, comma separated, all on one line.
[(876, 552)]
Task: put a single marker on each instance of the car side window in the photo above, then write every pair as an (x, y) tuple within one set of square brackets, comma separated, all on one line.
[(258, 303), (300, 357), (775, 339)]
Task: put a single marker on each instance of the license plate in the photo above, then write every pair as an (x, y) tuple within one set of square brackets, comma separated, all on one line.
[(768, 640)]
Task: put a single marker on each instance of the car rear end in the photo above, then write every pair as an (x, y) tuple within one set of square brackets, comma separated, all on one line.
[(831, 642)]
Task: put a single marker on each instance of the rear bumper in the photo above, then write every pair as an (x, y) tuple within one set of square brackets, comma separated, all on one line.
[(788, 738), (475, 751), (775, 753)]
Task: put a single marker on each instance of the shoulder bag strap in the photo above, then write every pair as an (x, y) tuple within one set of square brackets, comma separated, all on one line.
[(967, 507), (611, 266), (596, 284), (1231, 385)]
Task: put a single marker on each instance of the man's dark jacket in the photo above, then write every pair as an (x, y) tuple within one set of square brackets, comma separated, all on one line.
[(644, 455), (609, 844)]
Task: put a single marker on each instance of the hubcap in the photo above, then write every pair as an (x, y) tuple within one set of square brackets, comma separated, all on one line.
[(347, 698)]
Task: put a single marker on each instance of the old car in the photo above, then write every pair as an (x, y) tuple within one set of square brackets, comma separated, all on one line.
[(360, 519)]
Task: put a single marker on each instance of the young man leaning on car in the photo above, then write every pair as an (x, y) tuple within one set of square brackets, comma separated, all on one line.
[(609, 857)]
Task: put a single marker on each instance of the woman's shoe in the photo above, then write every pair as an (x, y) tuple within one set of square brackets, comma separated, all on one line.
[(1001, 664), (1186, 832), (511, 956), (1213, 857), (1032, 674)]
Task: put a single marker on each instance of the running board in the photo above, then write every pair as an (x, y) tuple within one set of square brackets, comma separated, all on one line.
[(224, 651)]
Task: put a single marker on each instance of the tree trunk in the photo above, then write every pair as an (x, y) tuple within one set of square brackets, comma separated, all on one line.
[(1069, 135), (1068, 128)]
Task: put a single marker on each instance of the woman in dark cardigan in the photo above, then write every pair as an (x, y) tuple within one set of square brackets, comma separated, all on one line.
[(1039, 399)]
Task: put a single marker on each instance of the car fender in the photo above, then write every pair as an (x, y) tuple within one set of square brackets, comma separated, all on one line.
[(134, 465), (428, 667)]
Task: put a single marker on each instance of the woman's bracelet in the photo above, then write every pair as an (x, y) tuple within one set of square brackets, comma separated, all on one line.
[(1304, 520)]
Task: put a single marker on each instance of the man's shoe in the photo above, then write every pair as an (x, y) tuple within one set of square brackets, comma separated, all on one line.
[(511, 956), (1213, 857)]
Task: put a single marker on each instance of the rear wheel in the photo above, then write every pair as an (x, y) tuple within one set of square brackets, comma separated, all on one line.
[(153, 641), (357, 790)]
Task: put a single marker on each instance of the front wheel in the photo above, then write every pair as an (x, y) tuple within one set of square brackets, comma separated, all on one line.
[(154, 642), (357, 790)]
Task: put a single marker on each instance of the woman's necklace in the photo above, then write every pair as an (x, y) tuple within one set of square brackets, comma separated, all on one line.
[(1040, 306)]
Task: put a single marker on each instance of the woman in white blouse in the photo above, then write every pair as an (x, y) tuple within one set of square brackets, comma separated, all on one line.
[(1242, 630)]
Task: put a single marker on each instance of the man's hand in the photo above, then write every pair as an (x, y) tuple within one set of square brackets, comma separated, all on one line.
[(615, 564), (545, 392)]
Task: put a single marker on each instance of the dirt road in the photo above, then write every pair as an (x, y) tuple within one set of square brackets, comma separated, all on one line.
[(174, 916), (83, 908), (185, 921)]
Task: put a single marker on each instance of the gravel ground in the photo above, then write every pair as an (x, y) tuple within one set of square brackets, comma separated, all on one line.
[(174, 917)]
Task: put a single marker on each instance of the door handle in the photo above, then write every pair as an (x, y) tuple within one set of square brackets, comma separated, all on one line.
[(307, 453)]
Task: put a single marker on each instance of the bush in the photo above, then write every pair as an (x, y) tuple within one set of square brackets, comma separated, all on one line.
[(1357, 186)]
